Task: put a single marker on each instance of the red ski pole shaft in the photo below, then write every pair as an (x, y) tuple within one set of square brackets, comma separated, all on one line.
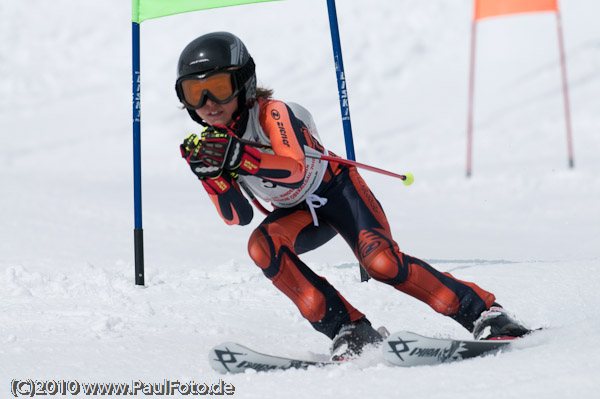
[(357, 164), (252, 197), (407, 178)]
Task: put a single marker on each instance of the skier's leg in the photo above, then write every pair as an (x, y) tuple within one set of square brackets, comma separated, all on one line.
[(356, 214), (273, 246)]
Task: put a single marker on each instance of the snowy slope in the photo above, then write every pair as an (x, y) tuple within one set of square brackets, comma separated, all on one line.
[(524, 226)]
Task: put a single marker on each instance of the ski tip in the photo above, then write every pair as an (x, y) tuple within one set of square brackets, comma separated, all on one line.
[(231, 358)]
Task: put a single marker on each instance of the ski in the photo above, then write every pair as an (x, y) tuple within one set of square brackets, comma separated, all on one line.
[(403, 348), (230, 357), (408, 349)]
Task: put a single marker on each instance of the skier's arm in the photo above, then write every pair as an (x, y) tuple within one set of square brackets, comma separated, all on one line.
[(231, 204), (206, 161), (286, 167), (220, 148)]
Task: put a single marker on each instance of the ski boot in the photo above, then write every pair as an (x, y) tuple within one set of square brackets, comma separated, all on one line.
[(497, 323), (353, 338)]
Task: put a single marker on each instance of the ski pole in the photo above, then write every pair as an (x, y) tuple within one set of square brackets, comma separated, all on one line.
[(407, 178), (252, 197)]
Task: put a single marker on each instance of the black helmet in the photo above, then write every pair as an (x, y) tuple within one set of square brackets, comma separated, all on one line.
[(218, 52)]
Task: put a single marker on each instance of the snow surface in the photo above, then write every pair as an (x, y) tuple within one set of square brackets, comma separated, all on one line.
[(525, 226)]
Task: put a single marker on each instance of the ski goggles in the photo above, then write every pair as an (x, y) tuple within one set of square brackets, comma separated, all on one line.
[(220, 85), (194, 90)]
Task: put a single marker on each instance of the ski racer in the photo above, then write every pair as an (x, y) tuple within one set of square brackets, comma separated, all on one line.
[(255, 143)]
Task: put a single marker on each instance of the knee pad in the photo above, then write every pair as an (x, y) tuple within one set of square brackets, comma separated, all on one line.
[(261, 249), (386, 266)]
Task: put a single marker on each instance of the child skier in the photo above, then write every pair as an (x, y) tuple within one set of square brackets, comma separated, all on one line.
[(313, 199)]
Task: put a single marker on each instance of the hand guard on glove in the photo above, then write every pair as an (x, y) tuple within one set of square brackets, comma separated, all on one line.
[(190, 150), (218, 149)]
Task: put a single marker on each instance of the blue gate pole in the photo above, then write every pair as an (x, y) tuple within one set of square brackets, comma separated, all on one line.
[(343, 92), (138, 236), (341, 79)]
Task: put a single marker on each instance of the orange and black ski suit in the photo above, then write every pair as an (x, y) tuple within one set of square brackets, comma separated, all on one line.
[(351, 210)]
